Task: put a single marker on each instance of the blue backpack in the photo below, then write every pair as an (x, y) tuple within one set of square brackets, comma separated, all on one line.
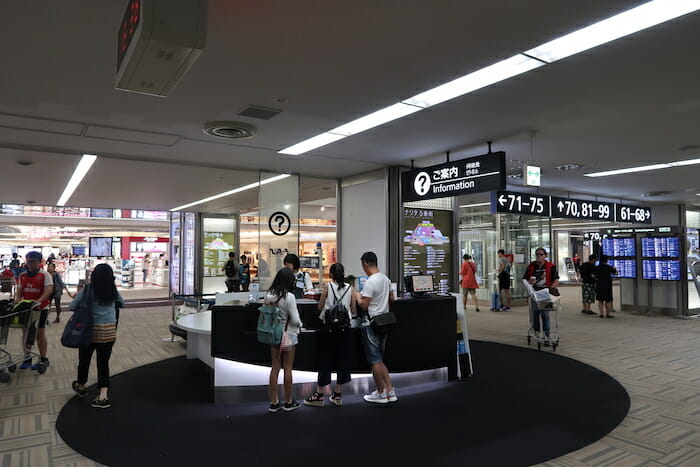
[(78, 330), (270, 324)]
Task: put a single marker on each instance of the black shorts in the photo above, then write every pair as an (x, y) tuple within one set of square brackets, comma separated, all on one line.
[(43, 318), (504, 281)]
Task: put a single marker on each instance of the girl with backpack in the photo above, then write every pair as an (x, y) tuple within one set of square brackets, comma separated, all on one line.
[(105, 300), (334, 339), (281, 296)]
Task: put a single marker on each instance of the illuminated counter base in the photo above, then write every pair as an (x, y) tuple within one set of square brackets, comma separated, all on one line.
[(422, 346)]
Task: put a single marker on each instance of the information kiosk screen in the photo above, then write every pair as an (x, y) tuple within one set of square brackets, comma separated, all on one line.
[(422, 283)]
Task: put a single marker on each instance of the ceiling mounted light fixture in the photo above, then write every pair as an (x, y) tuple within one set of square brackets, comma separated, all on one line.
[(233, 192), (78, 174), (643, 168), (621, 25), (474, 205), (230, 130)]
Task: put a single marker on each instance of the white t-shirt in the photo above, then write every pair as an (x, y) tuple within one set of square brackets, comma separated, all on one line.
[(330, 300), (303, 281), (377, 288), (288, 305)]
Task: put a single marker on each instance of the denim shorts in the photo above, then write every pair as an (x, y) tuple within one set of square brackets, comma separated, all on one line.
[(374, 345)]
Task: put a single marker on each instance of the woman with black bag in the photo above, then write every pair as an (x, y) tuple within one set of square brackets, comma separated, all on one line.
[(334, 348), (105, 301)]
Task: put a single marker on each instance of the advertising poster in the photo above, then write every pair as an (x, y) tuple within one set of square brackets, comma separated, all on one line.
[(217, 246), (426, 245)]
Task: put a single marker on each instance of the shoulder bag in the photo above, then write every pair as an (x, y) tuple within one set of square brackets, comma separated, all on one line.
[(78, 330)]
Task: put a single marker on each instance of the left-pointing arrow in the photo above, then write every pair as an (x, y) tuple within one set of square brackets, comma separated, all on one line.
[(502, 200)]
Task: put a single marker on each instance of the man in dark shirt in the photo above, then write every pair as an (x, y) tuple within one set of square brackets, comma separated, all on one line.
[(588, 285)]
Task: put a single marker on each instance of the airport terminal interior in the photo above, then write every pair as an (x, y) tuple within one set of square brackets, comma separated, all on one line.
[(526, 174)]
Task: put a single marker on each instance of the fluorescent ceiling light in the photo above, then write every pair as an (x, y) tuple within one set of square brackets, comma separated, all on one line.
[(234, 191), (621, 25), (78, 174), (644, 168), (479, 79), (474, 205), (311, 144), (380, 117)]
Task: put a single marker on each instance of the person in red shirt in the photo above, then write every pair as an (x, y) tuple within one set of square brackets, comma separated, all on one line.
[(36, 285), (468, 281)]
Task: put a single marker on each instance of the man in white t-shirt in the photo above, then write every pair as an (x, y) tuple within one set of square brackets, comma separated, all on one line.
[(375, 297)]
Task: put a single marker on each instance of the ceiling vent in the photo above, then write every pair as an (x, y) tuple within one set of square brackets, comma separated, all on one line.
[(158, 42), (256, 111), (231, 130)]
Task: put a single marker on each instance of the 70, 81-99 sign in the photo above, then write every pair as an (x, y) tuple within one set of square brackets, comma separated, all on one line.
[(582, 209)]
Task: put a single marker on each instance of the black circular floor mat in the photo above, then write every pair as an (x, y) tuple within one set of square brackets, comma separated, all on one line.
[(522, 407)]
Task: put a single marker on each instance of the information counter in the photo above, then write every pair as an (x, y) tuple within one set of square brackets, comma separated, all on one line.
[(424, 337)]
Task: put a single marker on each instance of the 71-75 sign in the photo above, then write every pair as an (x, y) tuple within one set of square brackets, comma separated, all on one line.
[(513, 202)]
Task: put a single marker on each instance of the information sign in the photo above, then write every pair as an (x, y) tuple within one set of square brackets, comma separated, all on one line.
[(571, 208), (661, 269), (626, 268), (629, 213), (664, 247), (624, 246), (466, 176), (513, 202), (427, 246)]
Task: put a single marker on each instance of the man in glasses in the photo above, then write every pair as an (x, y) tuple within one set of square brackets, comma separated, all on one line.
[(541, 274)]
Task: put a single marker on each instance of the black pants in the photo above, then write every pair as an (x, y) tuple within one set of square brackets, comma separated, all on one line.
[(104, 351), (57, 302), (233, 285), (335, 355)]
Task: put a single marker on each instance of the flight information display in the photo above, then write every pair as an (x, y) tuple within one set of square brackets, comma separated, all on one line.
[(626, 268), (661, 247), (661, 269), (624, 246), (427, 246)]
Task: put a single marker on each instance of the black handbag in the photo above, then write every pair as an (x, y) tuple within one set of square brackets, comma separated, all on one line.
[(381, 324)]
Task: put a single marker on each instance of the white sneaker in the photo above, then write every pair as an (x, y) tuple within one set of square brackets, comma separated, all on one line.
[(377, 398), (392, 396)]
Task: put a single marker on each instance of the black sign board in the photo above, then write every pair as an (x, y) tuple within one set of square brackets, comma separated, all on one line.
[(513, 202), (465, 176), (629, 213), (571, 208)]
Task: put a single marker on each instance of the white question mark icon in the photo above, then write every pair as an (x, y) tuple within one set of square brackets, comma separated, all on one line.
[(421, 184)]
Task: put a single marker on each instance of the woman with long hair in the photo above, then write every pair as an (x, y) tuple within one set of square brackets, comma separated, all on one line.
[(104, 302), (335, 344), (280, 294)]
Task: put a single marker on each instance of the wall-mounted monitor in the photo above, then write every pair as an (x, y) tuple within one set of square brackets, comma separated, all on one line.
[(661, 269), (100, 246), (78, 250), (626, 268), (622, 246), (661, 247)]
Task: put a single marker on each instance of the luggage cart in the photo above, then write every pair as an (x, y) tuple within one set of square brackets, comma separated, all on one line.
[(544, 301), (29, 314)]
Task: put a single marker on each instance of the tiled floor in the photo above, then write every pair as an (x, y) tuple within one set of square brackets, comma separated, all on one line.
[(657, 359)]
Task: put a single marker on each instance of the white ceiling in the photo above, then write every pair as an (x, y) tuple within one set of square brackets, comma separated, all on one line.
[(632, 102)]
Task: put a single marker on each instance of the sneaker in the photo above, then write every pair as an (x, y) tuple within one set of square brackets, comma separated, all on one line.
[(506, 308), (57, 320), (376, 398), (477, 310), (290, 406), (101, 404), (44, 362), (610, 316), (336, 398), (584, 311), (76, 387), (392, 395), (314, 400), (26, 364), (274, 408)]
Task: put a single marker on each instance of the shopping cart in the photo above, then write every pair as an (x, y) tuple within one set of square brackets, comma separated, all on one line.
[(28, 313), (542, 300)]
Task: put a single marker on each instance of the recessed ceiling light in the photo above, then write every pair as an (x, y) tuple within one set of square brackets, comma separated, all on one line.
[(231, 130), (644, 168)]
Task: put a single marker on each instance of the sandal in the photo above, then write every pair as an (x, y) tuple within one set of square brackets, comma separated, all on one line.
[(336, 399), (314, 400), (76, 387)]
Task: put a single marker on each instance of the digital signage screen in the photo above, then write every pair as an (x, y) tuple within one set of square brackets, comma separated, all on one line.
[(624, 246), (94, 212), (661, 247), (78, 250), (661, 269), (427, 247), (626, 268), (101, 246)]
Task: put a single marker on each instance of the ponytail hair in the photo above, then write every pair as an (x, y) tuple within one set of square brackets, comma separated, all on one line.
[(337, 273)]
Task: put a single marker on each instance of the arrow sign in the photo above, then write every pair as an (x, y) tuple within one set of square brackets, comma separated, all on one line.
[(560, 205), (513, 202), (502, 200)]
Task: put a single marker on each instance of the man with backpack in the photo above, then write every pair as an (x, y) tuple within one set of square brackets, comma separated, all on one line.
[(233, 278)]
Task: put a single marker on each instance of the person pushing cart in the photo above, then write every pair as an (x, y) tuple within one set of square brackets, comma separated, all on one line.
[(541, 280)]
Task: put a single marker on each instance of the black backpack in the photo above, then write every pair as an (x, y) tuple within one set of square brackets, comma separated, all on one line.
[(231, 269), (336, 317)]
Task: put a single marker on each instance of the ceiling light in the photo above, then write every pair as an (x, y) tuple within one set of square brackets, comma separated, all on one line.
[(644, 168), (621, 25), (474, 205), (311, 144), (380, 117), (80, 171), (323, 208), (479, 79), (234, 191)]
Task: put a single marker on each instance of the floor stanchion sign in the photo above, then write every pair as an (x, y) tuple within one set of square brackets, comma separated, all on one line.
[(465, 368)]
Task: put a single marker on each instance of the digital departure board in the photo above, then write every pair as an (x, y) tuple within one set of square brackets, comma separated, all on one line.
[(626, 268), (661, 269), (624, 246), (661, 247), (427, 247)]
